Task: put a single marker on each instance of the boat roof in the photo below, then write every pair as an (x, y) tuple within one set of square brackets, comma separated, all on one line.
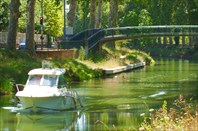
[(47, 71)]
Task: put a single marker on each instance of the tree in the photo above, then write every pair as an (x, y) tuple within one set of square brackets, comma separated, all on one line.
[(4, 15), (53, 18), (129, 19), (71, 15), (113, 14), (144, 18), (13, 24), (98, 18), (30, 27), (92, 13)]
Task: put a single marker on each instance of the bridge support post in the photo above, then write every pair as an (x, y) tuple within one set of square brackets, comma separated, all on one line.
[(196, 42), (100, 48), (171, 40), (183, 40), (159, 41), (190, 40), (165, 41), (86, 49)]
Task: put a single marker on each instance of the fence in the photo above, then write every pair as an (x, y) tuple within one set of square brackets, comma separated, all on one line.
[(20, 37)]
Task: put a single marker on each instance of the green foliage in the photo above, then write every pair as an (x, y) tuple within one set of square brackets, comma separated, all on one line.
[(6, 85), (138, 56), (4, 14), (53, 18), (23, 16), (97, 56), (130, 13), (17, 64), (160, 50), (130, 19), (81, 55), (14, 69), (144, 18), (182, 116), (76, 71), (132, 57)]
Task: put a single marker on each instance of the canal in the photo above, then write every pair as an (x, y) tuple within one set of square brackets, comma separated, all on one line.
[(114, 102)]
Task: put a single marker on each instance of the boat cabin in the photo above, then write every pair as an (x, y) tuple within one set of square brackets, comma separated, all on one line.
[(46, 77)]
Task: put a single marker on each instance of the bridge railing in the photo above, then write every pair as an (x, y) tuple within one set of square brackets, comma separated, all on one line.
[(152, 31), (90, 37), (94, 39), (85, 34)]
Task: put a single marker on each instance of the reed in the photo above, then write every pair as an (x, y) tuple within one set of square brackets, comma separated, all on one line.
[(183, 116)]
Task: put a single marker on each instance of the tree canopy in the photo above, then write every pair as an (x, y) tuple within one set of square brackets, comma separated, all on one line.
[(129, 13), (102, 14)]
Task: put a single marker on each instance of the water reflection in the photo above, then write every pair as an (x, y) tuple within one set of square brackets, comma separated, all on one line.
[(115, 102), (55, 121)]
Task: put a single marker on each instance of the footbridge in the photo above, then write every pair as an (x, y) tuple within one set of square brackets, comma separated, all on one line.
[(92, 37)]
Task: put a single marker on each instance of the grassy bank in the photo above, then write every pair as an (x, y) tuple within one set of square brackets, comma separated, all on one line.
[(186, 51), (15, 66), (110, 58)]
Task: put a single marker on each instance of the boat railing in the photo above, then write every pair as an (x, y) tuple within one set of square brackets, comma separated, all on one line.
[(20, 87), (75, 96)]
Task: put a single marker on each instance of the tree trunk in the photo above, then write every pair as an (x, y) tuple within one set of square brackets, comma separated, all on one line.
[(112, 22), (113, 13), (13, 24), (71, 15), (98, 18), (30, 48), (92, 14)]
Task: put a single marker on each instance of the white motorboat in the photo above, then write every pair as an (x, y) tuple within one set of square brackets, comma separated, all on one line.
[(46, 89)]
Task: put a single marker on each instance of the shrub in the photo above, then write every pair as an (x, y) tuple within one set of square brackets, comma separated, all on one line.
[(182, 116)]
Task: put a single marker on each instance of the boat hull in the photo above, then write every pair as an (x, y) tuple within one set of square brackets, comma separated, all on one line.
[(37, 104)]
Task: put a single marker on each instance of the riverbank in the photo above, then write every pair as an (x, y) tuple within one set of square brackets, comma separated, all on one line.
[(16, 65), (166, 51), (112, 71), (119, 101)]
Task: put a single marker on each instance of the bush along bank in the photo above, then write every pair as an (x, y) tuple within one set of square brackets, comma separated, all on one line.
[(174, 51), (16, 65), (76, 71), (14, 69)]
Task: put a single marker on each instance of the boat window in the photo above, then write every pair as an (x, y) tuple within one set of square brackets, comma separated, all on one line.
[(61, 82), (34, 80), (49, 80)]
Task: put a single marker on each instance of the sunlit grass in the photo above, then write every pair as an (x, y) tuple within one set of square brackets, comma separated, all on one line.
[(111, 63), (182, 116), (118, 57)]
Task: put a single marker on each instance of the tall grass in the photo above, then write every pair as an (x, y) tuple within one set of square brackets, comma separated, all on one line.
[(183, 116)]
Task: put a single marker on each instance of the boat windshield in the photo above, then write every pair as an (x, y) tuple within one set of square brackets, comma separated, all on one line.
[(46, 80), (49, 80), (34, 80)]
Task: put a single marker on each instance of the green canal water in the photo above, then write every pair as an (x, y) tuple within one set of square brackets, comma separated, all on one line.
[(114, 102)]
